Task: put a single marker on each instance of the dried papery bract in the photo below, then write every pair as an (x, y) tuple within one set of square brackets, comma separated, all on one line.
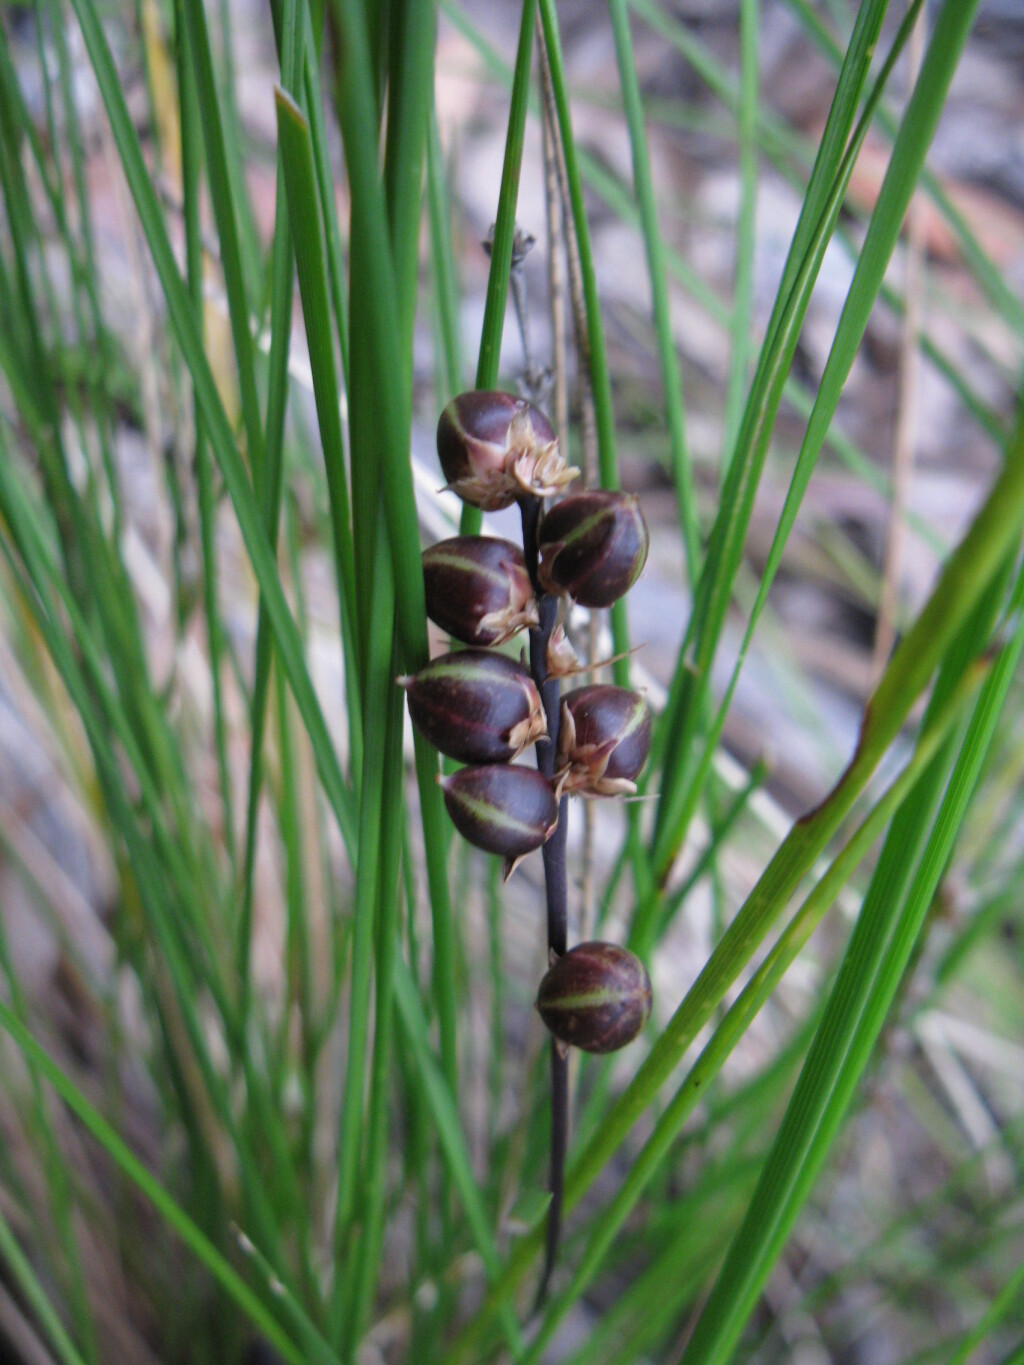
[(478, 589), (496, 449), (505, 809), (593, 546), (563, 661), (596, 997), (476, 706), (603, 740)]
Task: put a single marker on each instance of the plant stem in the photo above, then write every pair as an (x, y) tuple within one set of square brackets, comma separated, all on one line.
[(555, 879)]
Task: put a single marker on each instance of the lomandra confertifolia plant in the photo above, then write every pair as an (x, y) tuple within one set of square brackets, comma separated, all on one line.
[(277, 1080), (484, 709)]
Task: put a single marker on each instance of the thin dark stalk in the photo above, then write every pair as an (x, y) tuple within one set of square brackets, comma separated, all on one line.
[(589, 461), (556, 1174), (555, 882)]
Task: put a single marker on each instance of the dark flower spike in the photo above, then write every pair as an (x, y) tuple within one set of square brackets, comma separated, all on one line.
[(478, 589), (593, 546), (496, 448), (603, 738), (507, 809), (596, 997), (476, 706)]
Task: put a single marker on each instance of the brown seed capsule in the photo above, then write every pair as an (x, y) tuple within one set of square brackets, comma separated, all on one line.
[(476, 706), (496, 448), (478, 589), (506, 809), (603, 738), (593, 546), (596, 997)]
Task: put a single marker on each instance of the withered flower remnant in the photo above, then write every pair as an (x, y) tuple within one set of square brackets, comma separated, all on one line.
[(593, 546), (603, 738), (561, 659), (507, 809), (476, 706), (596, 997), (495, 449), (478, 589)]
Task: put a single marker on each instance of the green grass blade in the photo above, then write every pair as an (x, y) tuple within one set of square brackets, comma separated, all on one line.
[(874, 964), (223, 199), (793, 155), (314, 1345), (410, 100), (615, 196), (986, 272), (373, 1194), (313, 32), (299, 997), (446, 284), (719, 833), (269, 494), (191, 159), (961, 585), (754, 995), (725, 549), (379, 333), (679, 456), (1005, 1301), (236, 151), (106, 721), (886, 222), (17, 1264), (743, 287), (489, 357), (217, 426), (597, 358), (379, 688), (39, 1128), (198, 1244), (170, 912), (863, 290), (446, 1120), (300, 185), (84, 266)]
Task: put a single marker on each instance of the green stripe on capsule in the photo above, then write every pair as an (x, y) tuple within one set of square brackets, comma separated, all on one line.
[(471, 665), (494, 815), (584, 527), (452, 560), (577, 1002), (639, 715)]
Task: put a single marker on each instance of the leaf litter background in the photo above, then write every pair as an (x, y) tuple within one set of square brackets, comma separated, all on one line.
[(920, 1214)]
